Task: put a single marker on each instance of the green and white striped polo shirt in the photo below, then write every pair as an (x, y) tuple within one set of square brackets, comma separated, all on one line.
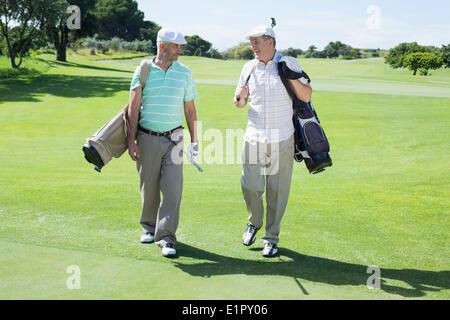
[(164, 96)]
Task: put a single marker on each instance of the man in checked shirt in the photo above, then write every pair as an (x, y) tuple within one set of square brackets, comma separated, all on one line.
[(269, 142)]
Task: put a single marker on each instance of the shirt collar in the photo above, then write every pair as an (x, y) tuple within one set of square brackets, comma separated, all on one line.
[(173, 65), (277, 56)]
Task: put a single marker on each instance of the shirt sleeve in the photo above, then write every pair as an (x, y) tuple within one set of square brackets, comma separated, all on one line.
[(190, 92), (136, 82)]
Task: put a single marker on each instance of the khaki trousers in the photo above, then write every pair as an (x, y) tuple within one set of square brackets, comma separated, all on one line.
[(161, 173), (267, 166)]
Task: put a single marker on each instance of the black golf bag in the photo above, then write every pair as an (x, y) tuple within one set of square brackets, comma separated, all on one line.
[(311, 144)]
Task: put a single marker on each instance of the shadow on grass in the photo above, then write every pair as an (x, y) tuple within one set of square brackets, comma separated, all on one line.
[(85, 66), (32, 88), (315, 269)]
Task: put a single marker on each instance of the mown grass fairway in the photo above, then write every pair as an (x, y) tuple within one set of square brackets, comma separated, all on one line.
[(385, 201)]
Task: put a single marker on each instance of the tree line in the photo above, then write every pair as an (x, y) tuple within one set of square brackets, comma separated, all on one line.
[(118, 24), (32, 24), (418, 58)]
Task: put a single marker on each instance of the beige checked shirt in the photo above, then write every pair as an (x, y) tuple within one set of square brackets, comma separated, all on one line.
[(270, 106)]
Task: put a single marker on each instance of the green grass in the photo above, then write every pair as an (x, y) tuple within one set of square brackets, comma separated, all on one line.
[(384, 202), (30, 66)]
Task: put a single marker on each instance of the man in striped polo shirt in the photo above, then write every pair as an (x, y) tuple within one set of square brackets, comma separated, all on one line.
[(157, 150)]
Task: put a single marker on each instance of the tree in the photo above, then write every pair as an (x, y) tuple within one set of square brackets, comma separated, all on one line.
[(331, 50), (292, 52), (30, 18), (215, 54), (89, 23), (445, 55), (149, 31), (422, 61), (57, 29), (196, 46), (397, 55), (2, 45), (119, 18), (339, 49), (309, 53), (355, 54), (242, 51)]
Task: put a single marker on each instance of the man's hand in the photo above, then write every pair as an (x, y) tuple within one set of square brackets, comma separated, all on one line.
[(133, 151), (241, 99), (192, 151)]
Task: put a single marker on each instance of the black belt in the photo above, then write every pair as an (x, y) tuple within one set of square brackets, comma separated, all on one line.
[(159, 134)]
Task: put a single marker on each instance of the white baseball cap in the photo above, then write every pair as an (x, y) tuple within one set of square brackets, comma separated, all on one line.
[(169, 35), (261, 31)]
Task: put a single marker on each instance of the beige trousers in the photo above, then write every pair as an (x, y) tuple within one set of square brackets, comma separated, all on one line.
[(267, 166), (161, 173)]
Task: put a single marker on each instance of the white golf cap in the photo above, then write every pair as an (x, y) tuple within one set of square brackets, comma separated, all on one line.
[(169, 35), (261, 31)]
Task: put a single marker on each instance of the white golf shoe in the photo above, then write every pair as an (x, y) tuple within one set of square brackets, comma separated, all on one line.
[(168, 250), (147, 237), (270, 250), (249, 236)]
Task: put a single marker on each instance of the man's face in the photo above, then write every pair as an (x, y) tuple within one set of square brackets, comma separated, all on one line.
[(171, 51), (262, 47)]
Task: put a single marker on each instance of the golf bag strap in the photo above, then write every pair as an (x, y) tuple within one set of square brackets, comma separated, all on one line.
[(145, 71), (287, 85)]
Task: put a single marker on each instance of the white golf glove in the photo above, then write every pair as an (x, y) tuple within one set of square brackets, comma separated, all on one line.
[(192, 151)]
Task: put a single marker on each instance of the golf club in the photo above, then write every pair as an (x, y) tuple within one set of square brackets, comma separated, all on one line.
[(176, 145)]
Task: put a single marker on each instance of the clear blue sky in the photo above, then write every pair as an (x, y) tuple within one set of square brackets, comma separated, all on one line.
[(303, 23)]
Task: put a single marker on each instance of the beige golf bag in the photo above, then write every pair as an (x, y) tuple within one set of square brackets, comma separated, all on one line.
[(111, 139)]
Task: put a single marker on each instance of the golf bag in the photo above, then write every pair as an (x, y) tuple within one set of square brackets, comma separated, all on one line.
[(311, 144), (111, 139)]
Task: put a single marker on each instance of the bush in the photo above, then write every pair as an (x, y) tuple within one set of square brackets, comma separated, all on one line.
[(138, 45), (102, 46), (318, 54), (90, 42), (116, 44)]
